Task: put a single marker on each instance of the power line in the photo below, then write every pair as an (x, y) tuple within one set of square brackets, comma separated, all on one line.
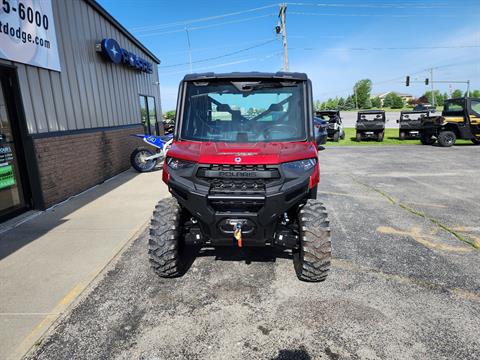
[(240, 61), (371, 15), (192, 21), (206, 26), (221, 56), (377, 5), (390, 48), (223, 46)]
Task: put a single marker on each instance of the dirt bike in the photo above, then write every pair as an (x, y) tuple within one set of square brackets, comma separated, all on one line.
[(144, 159)]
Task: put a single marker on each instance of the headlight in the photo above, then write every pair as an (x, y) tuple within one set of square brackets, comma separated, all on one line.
[(176, 164), (300, 166)]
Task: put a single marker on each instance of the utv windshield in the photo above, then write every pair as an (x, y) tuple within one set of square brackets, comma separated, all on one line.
[(244, 111), (413, 116), (370, 117), (453, 106)]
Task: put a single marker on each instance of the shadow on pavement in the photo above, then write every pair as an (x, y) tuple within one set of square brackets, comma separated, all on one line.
[(16, 238), (232, 253)]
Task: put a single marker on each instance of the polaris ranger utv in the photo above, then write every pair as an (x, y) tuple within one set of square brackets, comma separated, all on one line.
[(410, 124), (370, 125), (243, 171), (335, 129), (460, 120)]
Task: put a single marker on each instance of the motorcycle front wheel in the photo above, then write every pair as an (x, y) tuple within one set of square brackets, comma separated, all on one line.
[(137, 159)]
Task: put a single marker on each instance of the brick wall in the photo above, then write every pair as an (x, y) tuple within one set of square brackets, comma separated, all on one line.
[(70, 164)]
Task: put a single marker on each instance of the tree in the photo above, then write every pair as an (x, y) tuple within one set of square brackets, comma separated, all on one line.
[(397, 102), (438, 97), (341, 104), (368, 104), (457, 93), (392, 100), (349, 103), (388, 100), (318, 105), (376, 102), (475, 93), (169, 115), (362, 88)]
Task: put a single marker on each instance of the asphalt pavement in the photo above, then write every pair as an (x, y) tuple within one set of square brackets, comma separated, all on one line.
[(404, 282)]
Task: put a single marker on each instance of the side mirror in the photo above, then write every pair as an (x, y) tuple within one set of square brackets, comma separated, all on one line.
[(321, 148)]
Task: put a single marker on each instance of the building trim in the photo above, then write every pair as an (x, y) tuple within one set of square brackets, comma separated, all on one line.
[(82, 131), (120, 27)]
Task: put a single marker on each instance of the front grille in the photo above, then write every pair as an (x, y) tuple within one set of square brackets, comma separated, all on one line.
[(237, 172), (237, 204), (237, 187)]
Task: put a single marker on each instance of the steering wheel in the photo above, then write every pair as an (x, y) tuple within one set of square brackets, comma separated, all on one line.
[(276, 127)]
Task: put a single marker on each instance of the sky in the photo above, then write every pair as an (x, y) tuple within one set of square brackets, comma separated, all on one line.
[(336, 42)]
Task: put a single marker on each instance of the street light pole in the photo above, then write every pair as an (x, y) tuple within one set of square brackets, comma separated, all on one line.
[(189, 48), (281, 15), (431, 83), (356, 99)]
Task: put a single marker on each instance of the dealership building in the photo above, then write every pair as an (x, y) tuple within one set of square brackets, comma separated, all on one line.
[(74, 85)]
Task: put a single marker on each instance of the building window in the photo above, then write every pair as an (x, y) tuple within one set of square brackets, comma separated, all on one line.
[(148, 113)]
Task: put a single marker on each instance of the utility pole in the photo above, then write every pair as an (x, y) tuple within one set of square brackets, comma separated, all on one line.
[(468, 88), (283, 29), (356, 100), (431, 82), (189, 48)]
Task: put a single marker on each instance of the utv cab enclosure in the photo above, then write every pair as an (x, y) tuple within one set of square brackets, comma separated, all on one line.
[(410, 123), (243, 172), (460, 119), (335, 129), (370, 125)]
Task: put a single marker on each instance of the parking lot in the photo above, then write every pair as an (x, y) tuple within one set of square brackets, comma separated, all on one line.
[(404, 284)]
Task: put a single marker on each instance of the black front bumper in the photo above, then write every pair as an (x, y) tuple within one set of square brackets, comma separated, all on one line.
[(258, 211)]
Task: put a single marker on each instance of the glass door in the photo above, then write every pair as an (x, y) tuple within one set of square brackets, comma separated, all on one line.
[(11, 191), (148, 115)]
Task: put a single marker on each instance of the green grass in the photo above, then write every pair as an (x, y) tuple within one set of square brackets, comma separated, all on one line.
[(387, 109), (391, 138)]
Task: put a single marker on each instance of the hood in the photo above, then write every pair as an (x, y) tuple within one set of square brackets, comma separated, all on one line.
[(242, 153)]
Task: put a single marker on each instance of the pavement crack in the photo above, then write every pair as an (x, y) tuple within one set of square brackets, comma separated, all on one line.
[(436, 222), (349, 265)]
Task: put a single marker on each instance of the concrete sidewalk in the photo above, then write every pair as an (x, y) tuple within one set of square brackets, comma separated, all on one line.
[(46, 262)]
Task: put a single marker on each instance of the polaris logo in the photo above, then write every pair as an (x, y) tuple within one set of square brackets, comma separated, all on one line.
[(242, 174)]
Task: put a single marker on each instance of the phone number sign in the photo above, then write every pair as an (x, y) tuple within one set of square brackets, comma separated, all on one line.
[(27, 33)]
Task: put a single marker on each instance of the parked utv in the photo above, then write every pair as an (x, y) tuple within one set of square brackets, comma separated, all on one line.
[(370, 125), (243, 171), (410, 124), (320, 127), (460, 119), (335, 128)]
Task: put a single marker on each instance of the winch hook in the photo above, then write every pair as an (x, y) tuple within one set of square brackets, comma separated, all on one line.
[(238, 234)]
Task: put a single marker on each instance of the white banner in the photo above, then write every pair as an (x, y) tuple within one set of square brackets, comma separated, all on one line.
[(27, 33)]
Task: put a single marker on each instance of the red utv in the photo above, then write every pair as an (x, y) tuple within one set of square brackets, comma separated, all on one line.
[(243, 171)]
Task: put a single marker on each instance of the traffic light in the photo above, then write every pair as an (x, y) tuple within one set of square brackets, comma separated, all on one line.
[(426, 81), (407, 81)]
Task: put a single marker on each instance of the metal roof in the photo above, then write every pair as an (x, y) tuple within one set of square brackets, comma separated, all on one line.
[(247, 75), (120, 27), (371, 111)]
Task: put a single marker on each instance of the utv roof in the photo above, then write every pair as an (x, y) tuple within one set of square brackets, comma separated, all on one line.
[(414, 111), (246, 75), (371, 111)]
